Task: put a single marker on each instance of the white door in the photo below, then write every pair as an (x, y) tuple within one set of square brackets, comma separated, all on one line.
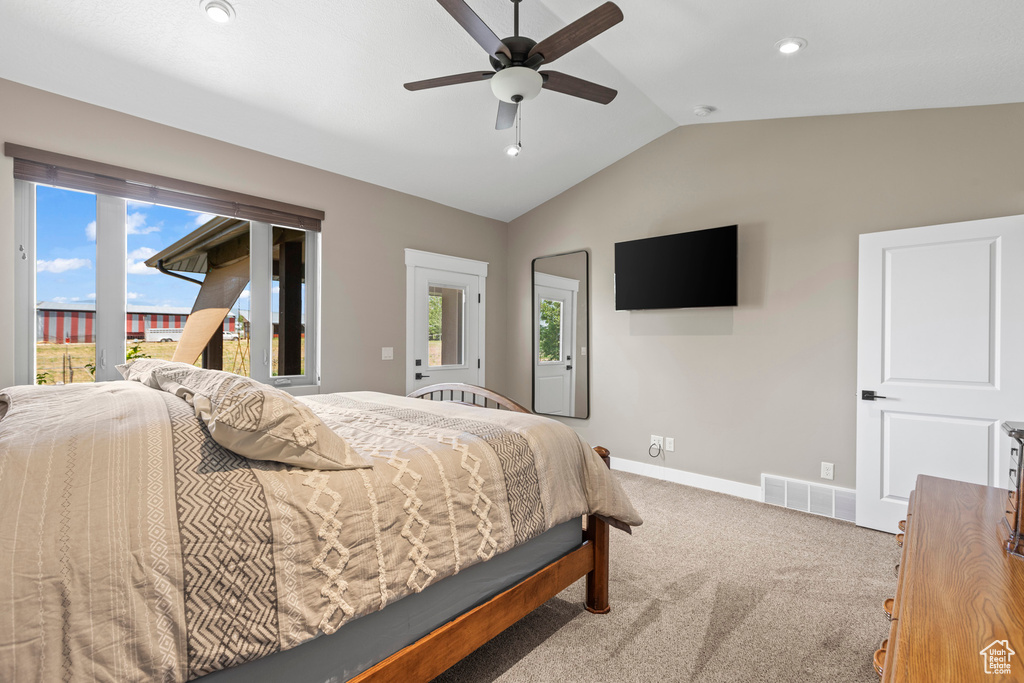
[(554, 334), (941, 343), (445, 326)]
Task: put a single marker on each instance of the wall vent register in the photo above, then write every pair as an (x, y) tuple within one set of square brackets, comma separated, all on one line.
[(827, 501)]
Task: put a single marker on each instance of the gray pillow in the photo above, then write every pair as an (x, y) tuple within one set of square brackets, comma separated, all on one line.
[(249, 417)]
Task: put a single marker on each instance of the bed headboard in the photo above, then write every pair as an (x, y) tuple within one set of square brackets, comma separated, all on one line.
[(470, 395)]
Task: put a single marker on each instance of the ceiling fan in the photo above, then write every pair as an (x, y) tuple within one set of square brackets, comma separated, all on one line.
[(515, 60)]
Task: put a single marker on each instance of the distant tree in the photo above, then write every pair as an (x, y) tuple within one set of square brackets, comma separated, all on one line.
[(434, 316), (550, 330), (135, 351)]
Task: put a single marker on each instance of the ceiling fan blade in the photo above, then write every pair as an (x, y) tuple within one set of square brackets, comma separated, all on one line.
[(506, 115), (578, 32), (577, 87), (449, 80), (475, 27)]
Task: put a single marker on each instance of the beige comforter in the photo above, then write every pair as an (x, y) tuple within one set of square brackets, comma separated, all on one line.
[(134, 547)]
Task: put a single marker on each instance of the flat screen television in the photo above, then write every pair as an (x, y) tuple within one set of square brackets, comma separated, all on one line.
[(687, 270)]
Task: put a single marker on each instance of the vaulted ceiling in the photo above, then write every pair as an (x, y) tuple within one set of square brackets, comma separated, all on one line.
[(320, 81)]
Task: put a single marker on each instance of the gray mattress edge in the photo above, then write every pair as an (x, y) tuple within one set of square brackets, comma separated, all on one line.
[(374, 637)]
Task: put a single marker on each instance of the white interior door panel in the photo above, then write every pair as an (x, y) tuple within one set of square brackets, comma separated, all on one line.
[(940, 341)]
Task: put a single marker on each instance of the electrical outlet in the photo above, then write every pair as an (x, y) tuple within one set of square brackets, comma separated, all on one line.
[(657, 441), (387, 353), (670, 444), (828, 470)]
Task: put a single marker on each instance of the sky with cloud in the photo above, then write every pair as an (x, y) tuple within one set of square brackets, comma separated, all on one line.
[(66, 250)]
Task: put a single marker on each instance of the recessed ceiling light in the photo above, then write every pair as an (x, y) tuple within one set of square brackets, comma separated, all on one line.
[(788, 46), (703, 110), (513, 150), (219, 11)]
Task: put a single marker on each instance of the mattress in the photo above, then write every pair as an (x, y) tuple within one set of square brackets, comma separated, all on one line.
[(373, 638), (138, 548)]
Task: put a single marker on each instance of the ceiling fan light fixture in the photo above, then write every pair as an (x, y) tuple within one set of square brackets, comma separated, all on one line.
[(788, 46), (516, 81), (218, 11)]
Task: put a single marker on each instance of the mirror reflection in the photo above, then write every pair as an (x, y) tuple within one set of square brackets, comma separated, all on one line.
[(561, 310)]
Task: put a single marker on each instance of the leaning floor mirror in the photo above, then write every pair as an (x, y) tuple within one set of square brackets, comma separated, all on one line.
[(561, 320)]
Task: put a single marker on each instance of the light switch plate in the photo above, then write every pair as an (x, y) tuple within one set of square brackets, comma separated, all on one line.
[(387, 353)]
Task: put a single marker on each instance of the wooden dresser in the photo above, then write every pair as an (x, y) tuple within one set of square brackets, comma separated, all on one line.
[(958, 590)]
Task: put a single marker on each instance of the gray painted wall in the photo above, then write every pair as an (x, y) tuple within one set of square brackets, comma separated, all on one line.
[(768, 386), (366, 229)]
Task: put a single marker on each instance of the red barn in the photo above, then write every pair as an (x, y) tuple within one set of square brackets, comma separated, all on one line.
[(56, 322)]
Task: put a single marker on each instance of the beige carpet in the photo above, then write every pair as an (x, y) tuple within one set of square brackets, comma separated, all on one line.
[(711, 588)]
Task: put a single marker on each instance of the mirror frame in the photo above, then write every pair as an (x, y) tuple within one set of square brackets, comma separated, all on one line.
[(533, 342)]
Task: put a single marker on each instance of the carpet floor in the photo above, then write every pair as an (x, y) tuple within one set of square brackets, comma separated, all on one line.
[(711, 588)]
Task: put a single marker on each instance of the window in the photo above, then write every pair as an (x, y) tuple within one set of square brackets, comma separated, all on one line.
[(446, 307), (102, 278), (550, 334), (65, 349), (288, 302)]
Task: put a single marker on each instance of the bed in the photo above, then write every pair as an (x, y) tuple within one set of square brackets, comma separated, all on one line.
[(140, 545)]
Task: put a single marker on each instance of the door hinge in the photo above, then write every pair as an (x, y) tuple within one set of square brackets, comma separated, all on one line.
[(477, 363), (478, 299)]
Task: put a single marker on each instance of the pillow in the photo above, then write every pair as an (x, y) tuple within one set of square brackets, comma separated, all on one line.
[(249, 417)]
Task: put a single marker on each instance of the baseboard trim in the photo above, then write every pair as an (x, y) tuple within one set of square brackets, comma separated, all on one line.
[(700, 481)]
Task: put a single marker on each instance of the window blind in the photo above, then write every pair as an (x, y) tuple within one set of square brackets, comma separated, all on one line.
[(50, 168)]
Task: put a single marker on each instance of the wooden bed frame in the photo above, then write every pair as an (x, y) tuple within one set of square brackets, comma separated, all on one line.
[(436, 652)]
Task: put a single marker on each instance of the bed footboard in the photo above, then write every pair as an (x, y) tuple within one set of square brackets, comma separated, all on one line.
[(597, 535)]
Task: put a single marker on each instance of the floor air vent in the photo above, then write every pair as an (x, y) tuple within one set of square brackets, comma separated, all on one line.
[(828, 501)]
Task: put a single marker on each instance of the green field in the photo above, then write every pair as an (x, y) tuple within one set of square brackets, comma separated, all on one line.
[(50, 358)]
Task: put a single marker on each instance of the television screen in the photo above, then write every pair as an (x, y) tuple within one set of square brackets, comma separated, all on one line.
[(687, 270)]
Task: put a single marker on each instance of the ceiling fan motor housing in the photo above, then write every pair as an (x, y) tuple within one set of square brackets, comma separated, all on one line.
[(516, 83)]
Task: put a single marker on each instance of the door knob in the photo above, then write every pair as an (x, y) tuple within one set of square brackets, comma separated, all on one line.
[(868, 395), (420, 375), (568, 367)]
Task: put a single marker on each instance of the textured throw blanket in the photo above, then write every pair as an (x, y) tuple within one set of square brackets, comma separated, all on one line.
[(134, 547)]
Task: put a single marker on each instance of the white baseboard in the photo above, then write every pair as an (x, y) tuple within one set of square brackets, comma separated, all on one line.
[(700, 481)]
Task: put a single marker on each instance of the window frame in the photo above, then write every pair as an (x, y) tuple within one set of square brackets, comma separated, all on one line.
[(112, 294), (561, 332), (25, 282), (416, 259), (261, 299)]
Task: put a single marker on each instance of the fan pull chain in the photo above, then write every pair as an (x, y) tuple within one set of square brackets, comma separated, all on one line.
[(519, 125)]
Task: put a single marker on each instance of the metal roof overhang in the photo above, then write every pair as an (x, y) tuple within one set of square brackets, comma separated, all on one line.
[(219, 242)]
